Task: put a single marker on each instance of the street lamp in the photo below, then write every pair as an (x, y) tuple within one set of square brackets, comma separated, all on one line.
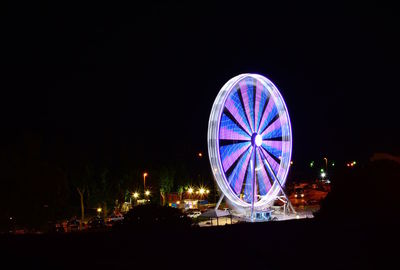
[(201, 192), (190, 191), (147, 194), (135, 195), (326, 163), (144, 180)]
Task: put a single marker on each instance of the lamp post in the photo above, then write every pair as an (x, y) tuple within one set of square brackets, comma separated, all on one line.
[(144, 180), (326, 163)]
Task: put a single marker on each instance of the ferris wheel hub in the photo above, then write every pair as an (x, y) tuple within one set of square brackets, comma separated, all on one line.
[(256, 139)]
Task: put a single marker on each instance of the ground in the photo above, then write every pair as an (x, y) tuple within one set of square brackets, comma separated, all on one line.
[(294, 244)]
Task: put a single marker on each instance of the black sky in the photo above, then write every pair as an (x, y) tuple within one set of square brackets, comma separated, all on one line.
[(138, 81)]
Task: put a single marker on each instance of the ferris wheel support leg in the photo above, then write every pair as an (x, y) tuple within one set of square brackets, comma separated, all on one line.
[(219, 201), (254, 183), (281, 188), (288, 203)]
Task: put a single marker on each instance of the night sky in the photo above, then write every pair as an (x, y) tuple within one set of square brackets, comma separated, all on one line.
[(137, 82)]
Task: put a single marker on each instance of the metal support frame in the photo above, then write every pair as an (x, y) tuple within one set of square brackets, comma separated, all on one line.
[(219, 201), (280, 187)]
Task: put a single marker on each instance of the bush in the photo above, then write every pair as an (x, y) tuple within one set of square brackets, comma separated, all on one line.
[(366, 193), (149, 216)]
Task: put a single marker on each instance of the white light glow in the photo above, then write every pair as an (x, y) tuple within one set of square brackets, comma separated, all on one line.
[(258, 140)]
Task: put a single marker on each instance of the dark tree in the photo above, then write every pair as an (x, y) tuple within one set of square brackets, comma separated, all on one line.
[(367, 193)]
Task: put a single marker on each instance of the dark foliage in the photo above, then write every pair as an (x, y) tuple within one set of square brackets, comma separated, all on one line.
[(152, 215), (368, 193)]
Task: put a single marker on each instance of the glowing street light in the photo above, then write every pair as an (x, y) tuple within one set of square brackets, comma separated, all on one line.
[(147, 193), (202, 191), (200, 154), (135, 195), (351, 164), (190, 190), (99, 210), (207, 191), (323, 174)]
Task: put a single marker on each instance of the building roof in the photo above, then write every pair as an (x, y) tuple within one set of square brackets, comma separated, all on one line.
[(212, 213)]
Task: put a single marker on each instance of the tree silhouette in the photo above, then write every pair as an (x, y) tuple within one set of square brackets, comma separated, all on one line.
[(166, 182)]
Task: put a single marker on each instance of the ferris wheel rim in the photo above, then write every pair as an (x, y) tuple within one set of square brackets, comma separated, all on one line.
[(214, 146)]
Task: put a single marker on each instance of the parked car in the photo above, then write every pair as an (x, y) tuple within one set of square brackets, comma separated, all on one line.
[(299, 193), (193, 213), (114, 219), (73, 224), (96, 223), (313, 202), (56, 227)]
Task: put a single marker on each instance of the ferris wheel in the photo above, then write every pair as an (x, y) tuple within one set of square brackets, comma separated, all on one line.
[(250, 141)]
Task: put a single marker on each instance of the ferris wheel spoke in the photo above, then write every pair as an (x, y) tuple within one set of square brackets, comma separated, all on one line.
[(280, 145), (262, 176), (274, 153), (264, 108), (280, 138), (237, 171), (268, 168), (230, 153), (272, 161), (247, 99), (231, 130), (228, 116), (274, 123), (273, 129), (235, 110), (269, 113), (259, 104), (248, 189), (274, 147)]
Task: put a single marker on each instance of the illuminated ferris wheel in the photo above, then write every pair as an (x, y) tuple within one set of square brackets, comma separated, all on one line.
[(250, 141)]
